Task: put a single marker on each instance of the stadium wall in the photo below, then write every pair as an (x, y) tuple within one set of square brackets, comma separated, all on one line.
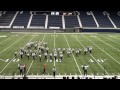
[(74, 30), (100, 30)]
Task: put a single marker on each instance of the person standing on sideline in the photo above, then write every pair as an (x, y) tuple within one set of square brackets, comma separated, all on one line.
[(54, 71), (44, 68), (85, 67), (21, 69)]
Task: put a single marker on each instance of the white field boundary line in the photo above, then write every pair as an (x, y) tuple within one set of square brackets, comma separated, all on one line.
[(58, 77), (5, 40), (103, 50), (12, 44), (33, 60), (110, 40), (73, 56), (49, 33), (54, 46), (13, 58), (92, 56), (108, 44)]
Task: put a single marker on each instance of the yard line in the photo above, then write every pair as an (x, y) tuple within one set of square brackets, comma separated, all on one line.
[(108, 44), (73, 55), (29, 67), (5, 40), (33, 60), (103, 50), (13, 58), (54, 47), (12, 44), (92, 56)]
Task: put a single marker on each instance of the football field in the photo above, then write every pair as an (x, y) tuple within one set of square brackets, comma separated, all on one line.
[(104, 59)]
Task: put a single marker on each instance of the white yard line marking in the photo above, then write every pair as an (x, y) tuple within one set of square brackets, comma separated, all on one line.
[(73, 56), (92, 56), (54, 47), (13, 58), (12, 44), (33, 60), (108, 44), (103, 50)]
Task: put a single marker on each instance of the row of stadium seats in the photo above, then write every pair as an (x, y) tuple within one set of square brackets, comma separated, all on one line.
[(87, 19)]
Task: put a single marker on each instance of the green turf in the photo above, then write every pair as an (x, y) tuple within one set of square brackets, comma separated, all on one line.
[(105, 47)]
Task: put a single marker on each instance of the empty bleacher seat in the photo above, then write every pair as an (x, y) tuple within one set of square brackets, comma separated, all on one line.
[(22, 19), (87, 19), (38, 20), (54, 21), (71, 21), (102, 19), (115, 18), (6, 18)]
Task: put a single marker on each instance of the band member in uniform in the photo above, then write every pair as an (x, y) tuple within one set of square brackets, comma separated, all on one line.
[(21, 54), (85, 51), (15, 54), (55, 55), (50, 56), (61, 56), (33, 55), (47, 50), (63, 50), (40, 56), (90, 49), (45, 54), (28, 55)]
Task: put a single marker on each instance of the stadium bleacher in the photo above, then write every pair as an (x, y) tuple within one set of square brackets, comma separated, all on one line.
[(71, 21), (102, 19), (115, 17), (22, 19), (55, 21), (38, 21), (6, 17), (87, 19)]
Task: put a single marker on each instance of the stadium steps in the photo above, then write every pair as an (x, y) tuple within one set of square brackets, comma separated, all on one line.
[(63, 21), (46, 22), (29, 22), (94, 19), (13, 19), (111, 21), (79, 21)]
